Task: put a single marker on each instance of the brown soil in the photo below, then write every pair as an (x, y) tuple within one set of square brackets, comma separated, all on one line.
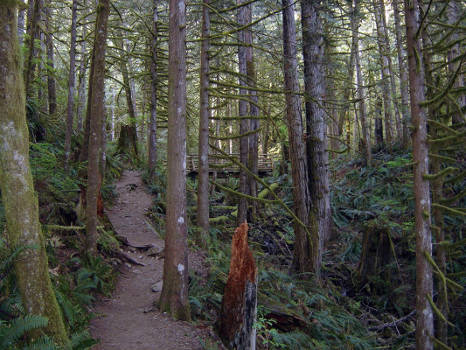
[(128, 320)]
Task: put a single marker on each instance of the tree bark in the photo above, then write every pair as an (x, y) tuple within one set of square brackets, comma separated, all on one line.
[(71, 84), (96, 116), (302, 255), (424, 284), (152, 152), (243, 111), (403, 75), (203, 187), (18, 196), (174, 297), (316, 128)]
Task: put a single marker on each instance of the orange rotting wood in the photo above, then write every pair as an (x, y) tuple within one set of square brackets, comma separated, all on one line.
[(238, 305)]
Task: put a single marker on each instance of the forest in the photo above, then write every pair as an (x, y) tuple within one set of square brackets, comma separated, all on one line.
[(232, 174)]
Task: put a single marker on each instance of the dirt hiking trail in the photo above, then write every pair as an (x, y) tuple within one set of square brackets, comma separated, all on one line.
[(127, 320)]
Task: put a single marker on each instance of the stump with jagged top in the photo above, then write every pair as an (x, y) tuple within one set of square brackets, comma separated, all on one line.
[(239, 304)]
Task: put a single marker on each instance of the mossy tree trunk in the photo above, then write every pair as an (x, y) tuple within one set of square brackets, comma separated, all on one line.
[(424, 282), (21, 207), (174, 297), (95, 125)]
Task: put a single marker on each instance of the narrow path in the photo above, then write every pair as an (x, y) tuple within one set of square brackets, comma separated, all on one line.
[(124, 321)]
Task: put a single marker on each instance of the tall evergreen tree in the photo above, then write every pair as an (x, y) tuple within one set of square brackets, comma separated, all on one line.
[(18, 196), (174, 297)]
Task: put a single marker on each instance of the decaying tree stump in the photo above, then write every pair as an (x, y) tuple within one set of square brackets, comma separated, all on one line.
[(239, 304), (375, 254)]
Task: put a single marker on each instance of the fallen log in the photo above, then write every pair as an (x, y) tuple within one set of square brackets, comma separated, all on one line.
[(126, 257), (239, 303), (124, 240)]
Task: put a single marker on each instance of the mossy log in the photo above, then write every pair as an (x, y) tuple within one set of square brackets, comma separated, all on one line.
[(239, 304), (266, 191), (218, 220)]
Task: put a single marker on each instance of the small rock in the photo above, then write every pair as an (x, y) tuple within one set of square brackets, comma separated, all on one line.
[(148, 309), (128, 265), (157, 287)]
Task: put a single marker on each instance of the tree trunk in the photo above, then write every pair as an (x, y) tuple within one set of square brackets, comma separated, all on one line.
[(82, 78), (378, 123), (424, 284), (203, 187), (71, 84), (403, 75), (18, 196), (316, 128), (83, 156), (243, 111), (253, 155), (97, 85), (386, 45), (454, 15), (302, 258), (174, 297), (21, 15), (34, 33), (349, 82), (239, 303), (152, 152), (51, 86), (361, 93), (385, 73), (130, 103)]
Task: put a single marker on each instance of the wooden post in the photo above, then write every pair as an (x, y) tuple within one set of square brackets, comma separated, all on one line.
[(239, 304)]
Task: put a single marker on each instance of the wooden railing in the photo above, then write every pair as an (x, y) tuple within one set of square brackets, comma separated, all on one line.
[(222, 164)]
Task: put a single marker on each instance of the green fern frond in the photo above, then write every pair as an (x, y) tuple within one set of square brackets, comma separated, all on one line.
[(10, 333)]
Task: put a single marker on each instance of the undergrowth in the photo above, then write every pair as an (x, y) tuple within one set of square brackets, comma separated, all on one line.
[(348, 311), (76, 281)]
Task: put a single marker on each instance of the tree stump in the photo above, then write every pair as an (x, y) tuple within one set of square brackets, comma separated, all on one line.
[(239, 304), (376, 253)]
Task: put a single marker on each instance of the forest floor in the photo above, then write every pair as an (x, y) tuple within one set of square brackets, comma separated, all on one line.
[(128, 319)]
